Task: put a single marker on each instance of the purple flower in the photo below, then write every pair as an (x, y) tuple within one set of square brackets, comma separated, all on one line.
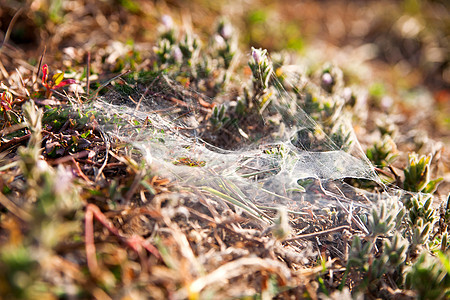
[(177, 54), (327, 80), (256, 53), (226, 31), (219, 41), (167, 22), (347, 94)]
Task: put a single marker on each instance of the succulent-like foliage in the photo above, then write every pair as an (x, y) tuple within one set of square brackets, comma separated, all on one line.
[(219, 117), (359, 254), (190, 47), (168, 53), (429, 277), (383, 218), (420, 218), (417, 175), (382, 153), (420, 208), (420, 233), (342, 137), (396, 249), (262, 69), (389, 257), (444, 221), (225, 42)]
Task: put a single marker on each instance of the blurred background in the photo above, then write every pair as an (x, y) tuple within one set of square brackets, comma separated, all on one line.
[(408, 39)]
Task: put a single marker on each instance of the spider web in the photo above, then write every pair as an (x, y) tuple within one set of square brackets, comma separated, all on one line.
[(300, 167)]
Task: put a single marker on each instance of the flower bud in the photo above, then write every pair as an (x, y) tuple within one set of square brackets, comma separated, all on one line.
[(226, 30), (167, 22), (327, 80), (177, 54), (257, 54)]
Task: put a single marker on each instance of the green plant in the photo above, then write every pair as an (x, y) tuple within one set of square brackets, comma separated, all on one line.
[(168, 53), (372, 262), (384, 218), (49, 202), (417, 175), (190, 47), (262, 69), (342, 137), (331, 79), (419, 207), (429, 277), (225, 42), (420, 218), (219, 117), (382, 153)]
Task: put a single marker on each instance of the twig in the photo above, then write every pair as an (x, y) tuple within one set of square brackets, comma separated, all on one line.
[(80, 172), (184, 104), (105, 161), (15, 141), (236, 268), (12, 164), (10, 27), (379, 170), (134, 186), (398, 180), (88, 71), (13, 208), (3, 70), (12, 128), (145, 93), (94, 95), (315, 234), (40, 64), (22, 83)]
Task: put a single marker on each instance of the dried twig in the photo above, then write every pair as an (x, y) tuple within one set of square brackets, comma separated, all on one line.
[(13, 208), (10, 27), (88, 71), (135, 242), (315, 234)]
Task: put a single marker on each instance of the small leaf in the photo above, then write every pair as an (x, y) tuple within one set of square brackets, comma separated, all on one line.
[(65, 82), (57, 78), (444, 260), (432, 185)]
